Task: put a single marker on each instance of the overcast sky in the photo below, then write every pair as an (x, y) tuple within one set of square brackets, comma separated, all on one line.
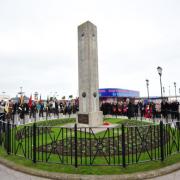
[(38, 44)]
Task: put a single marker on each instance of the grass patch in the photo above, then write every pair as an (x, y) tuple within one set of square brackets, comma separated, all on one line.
[(100, 170), (130, 122)]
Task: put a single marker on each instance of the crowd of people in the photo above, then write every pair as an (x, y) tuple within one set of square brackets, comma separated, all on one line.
[(164, 109), (130, 108), (44, 109)]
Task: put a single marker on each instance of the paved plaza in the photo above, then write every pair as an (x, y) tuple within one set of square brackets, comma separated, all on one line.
[(9, 174), (173, 176)]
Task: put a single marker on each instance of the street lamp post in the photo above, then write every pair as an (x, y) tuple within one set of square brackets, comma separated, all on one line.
[(116, 104), (3, 93), (50, 95), (21, 92), (175, 90), (36, 96), (21, 89), (36, 100), (159, 69), (147, 84), (163, 91), (55, 94)]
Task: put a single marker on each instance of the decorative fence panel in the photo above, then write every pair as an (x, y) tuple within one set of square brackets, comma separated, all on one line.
[(91, 146)]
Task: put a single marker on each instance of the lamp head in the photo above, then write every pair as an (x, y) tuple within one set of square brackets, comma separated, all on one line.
[(159, 69)]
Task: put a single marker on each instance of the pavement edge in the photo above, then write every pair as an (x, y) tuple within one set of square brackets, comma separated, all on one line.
[(63, 176)]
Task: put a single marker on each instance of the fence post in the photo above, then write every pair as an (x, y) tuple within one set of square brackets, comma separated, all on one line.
[(162, 140), (1, 125), (75, 145), (8, 140), (123, 148), (34, 142)]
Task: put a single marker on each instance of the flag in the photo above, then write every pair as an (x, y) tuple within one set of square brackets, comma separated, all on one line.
[(30, 101), (7, 107), (21, 100)]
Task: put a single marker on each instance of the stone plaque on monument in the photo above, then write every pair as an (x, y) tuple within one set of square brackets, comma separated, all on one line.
[(83, 118)]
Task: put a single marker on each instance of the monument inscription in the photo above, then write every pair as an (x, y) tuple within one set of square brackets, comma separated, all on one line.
[(83, 118)]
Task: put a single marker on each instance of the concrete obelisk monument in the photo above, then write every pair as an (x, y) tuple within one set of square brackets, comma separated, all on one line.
[(88, 76)]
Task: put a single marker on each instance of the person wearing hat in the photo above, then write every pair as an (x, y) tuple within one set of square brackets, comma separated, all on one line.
[(2, 110)]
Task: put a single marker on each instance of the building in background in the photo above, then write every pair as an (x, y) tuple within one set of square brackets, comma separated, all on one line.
[(4, 97), (116, 94)]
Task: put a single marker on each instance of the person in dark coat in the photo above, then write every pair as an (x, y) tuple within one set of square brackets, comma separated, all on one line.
[(41, 109), (130, 111), (2, 111), (136, 110), (153, 110), (103, 108), (69, 109), (109, 109), (163, 108), (114, 109)]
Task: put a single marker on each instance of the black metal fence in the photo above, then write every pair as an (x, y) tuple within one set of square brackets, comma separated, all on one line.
[(86, 146)]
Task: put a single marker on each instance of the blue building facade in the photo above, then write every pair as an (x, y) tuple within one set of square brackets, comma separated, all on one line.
[(118, 93)]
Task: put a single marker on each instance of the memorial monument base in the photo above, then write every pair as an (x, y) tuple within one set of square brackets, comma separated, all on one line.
[(92, 119)]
